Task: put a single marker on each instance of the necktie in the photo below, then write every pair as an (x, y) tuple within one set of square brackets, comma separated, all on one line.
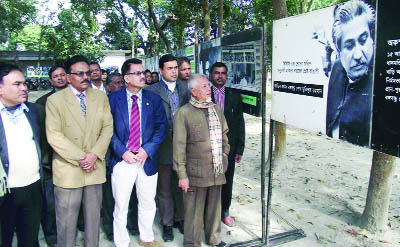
[(82, 103), (134, 126)]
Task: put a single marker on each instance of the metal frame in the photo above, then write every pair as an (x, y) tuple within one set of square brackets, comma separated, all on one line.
[(279, 238)]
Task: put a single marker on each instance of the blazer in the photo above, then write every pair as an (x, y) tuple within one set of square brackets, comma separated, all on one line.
[(233, 112), (184, 97), (33, 117), (71, 136), (47, 152), (153, 127), (192, 147)]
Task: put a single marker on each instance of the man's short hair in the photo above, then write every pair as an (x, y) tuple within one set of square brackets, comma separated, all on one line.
[(53, 68), (5, 69), (182, 60), (73, 60), (218, 65), (127, 64), (109, 78), (94, 62), (192, 82), (164, 59), (347, 12)]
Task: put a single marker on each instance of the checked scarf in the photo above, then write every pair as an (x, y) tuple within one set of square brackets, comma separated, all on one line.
[(215, 133)]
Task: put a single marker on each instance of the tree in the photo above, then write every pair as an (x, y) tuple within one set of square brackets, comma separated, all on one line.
[(375, 215), (207, 20), (280, 11)]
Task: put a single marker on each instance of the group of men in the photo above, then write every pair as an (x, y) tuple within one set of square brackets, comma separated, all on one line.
[(176, 140)]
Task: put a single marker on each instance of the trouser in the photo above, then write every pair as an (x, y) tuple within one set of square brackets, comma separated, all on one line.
[(49, 225), (226, 193), (21, 211), (108, 209), (170, 202), (68, 202), (123, 178), (202, 208)]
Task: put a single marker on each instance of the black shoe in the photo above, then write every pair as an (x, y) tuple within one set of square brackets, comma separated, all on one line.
[(179, 225), (168, 235), (110, 237), (134, 231), (221, 244)]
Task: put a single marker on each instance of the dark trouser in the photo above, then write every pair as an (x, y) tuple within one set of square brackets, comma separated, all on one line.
[(108, 209), (202, 207), (169, 196), (49, 225), (226, 194), (21, 211)]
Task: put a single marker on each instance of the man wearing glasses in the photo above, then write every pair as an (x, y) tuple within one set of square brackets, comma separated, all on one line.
[(140, 124), (79, 128)]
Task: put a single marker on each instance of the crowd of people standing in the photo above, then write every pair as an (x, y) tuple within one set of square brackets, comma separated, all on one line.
[(109, 148)]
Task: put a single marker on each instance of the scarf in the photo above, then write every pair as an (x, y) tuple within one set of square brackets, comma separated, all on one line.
[(3, 180), (214, 126)]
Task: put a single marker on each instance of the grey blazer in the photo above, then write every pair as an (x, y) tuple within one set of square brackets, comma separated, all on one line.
[(165, 150)]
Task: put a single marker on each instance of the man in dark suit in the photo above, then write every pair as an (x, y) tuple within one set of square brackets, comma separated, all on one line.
[(139, 129), (19, 132), (58, 78), (174, 94), (231, 103)]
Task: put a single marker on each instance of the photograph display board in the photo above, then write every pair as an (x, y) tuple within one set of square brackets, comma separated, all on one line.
[(322, 72), (151, 63), (386, 106), (241, 52), (209, 53)]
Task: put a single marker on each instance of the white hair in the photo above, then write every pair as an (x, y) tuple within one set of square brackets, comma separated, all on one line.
[(192, 82)]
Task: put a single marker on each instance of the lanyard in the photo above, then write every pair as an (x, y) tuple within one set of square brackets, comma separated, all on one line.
[(174, 101)]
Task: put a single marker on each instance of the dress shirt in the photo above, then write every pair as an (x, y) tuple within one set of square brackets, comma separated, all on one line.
[(101, 88), (76, 93), (129, 95), (219, 95), (15, 115)]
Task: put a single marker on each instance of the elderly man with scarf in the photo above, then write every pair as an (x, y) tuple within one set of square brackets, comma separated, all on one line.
[(200, 151)]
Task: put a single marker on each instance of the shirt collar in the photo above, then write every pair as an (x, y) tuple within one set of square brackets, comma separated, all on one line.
[(75, 92), (138, 94), (170, 85), (21, 107), (219, 90)]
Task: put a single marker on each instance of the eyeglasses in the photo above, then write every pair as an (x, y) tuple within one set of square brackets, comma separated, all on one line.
[(137, 73), (81, 74)]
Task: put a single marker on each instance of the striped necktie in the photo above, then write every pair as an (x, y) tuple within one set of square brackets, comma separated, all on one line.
[(82, 102), (134, 126)]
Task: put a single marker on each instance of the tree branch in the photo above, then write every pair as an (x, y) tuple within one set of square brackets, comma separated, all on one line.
[(157, 26)]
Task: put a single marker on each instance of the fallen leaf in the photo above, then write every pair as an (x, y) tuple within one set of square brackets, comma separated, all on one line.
[(352, 233)]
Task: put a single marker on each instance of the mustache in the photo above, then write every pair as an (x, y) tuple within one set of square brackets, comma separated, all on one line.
[(85, 81)]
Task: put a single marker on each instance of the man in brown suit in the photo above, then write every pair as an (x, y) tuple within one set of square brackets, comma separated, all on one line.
[(79, 127), (200, 153)]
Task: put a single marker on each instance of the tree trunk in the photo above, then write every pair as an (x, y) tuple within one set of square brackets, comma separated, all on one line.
[(280, 11), (375, 215), (159, 30), (220, 17), (207, 19)]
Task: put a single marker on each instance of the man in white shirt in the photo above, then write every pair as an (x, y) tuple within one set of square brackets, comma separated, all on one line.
[(20, 155), (95, 77)]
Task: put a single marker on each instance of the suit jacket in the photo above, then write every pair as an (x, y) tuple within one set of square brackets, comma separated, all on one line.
[(46, 150), (233, 112), (192, 147), (184, 97), (349, 106), (71, 136), (34, 120), (153, 127)]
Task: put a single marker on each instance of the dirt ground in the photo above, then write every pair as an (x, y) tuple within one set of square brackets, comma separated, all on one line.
[(321, 189)]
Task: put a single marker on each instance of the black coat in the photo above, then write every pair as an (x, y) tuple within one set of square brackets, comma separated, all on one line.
[(233, 112)]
